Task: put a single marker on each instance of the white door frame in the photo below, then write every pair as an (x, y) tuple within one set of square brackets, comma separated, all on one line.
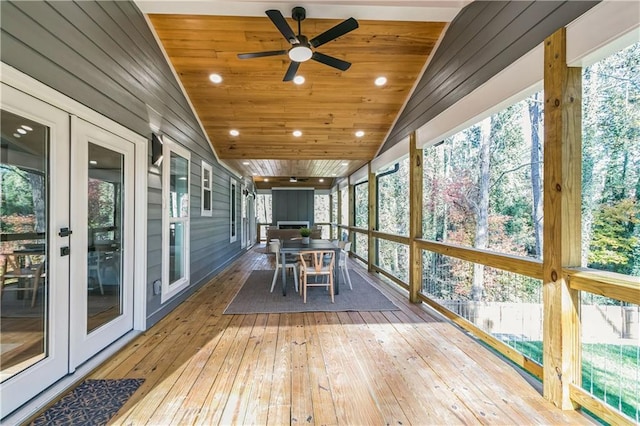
[(19, 388), (84, 345), (16, 80)]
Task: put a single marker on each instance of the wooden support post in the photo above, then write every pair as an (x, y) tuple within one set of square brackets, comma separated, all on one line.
[(561, 236), (332, 219), (415, 221), (339, 218), (352, 211), (372, 216)]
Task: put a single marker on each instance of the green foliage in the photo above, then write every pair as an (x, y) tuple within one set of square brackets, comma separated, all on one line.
[(305, 232), (609, 371), (613, 239), (16, 192), (361, 219), (101, 203)]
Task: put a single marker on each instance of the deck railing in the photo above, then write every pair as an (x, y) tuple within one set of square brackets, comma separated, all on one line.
[(576, 329), (509, 316)]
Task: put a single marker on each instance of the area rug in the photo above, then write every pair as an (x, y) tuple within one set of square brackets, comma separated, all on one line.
[(92, 403), (254, 297)]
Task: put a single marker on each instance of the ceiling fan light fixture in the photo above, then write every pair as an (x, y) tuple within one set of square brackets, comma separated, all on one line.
[(300, 53)]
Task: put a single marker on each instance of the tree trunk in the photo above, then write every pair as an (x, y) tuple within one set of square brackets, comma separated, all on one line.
[(39, 202), (531, 130), (482, 209)]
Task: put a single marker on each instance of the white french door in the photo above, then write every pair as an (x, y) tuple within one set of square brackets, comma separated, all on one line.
[(34, 330), (68, 191), (102, 200)]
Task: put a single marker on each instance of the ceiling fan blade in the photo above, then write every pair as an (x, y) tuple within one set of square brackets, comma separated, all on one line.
[(331, 61), (282, 25), (291, 71), (332, 33), (261, 54)]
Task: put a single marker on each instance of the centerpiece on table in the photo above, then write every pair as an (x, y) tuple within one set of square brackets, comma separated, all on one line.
[(305, 233)]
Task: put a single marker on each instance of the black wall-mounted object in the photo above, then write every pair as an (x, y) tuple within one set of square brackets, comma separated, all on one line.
[(156, 150)]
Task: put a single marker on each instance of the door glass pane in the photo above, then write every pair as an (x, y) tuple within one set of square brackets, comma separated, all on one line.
[(104, 260), (24, 215), (176, 251)]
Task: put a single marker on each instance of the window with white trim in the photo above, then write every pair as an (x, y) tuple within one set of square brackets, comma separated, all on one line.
[(206, 194), (175, 219), (233, 210)]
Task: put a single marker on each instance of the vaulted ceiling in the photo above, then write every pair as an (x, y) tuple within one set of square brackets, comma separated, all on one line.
[(328, 108)]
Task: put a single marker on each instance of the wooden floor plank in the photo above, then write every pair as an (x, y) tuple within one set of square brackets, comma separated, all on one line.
[(409, 366), (257, 407), (236, 407), (392, 396), (438, 404), (280, 391), (220, 392), (305, 373), (195, 399)]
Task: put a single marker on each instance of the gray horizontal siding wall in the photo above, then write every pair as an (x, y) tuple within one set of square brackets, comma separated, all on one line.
[(292, 205), (485, 38), (103, 55)]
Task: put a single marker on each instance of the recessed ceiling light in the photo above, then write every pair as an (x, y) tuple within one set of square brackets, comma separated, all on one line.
[(266, 179), (381, 81), (27, 128), (246, 163), (21, 131), (359, 134), (234, 132), (297, 133), (254, 174), (321, 180), (334, 174), (298, 79), (16, 135), (345, 163), (215, 78), (93, 162)]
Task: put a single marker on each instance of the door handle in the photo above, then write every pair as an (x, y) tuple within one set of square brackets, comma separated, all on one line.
[(65, 232)]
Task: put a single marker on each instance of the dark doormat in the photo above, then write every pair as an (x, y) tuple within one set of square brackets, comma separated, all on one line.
[(93, 403)]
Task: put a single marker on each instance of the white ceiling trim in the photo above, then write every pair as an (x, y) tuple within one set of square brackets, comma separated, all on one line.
[(524, 76), (434, 11)]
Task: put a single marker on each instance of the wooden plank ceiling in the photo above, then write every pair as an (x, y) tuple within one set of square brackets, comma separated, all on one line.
[(328, 108)]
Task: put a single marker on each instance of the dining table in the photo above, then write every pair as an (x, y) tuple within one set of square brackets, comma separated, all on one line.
[(294, 247)]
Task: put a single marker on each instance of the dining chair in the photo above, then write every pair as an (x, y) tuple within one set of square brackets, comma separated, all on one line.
[(342, 264), (25, 278), (316, 263), (275, 247)]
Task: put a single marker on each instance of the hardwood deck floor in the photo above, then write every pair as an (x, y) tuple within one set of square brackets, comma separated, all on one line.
[(353, 368)]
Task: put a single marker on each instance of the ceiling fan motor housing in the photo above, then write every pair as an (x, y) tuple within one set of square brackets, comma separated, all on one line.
[(298, 13)]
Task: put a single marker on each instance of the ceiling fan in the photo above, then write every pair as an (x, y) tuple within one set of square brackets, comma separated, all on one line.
[(301, 47), (294, 179)]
